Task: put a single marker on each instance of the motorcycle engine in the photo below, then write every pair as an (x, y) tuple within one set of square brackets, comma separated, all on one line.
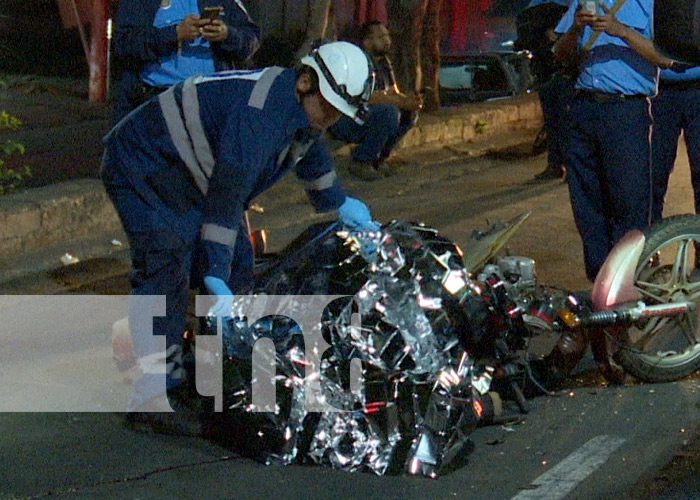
[(517, 273)]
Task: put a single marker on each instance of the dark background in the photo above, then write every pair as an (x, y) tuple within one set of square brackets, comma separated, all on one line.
[(33, 40)]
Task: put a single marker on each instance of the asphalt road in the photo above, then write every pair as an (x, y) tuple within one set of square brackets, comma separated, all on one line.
[(589, 441)]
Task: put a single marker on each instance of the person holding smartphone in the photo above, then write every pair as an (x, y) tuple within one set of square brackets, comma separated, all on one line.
[(608, 155), (158, 43)]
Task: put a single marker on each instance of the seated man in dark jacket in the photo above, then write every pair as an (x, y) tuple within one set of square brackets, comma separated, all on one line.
[(160, 43), (391, 113)]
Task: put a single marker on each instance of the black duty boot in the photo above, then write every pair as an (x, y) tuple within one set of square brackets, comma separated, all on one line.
[(364, 170), (385, 169), (189, 418)]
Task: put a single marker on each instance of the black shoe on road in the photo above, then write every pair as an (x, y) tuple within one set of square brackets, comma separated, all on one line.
[(174, 423), (189, 418), (364, 170)]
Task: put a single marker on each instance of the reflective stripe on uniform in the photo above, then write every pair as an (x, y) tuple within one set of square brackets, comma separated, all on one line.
[(240, 4), (298, 150), (323, 182), (283, 155), (262, 87), (179, 136), (193, 122), (188, 135), (219, 234), (232, 74)]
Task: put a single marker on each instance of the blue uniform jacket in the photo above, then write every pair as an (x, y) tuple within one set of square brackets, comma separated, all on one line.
[(612, 65), (217, 142), (137, 42)]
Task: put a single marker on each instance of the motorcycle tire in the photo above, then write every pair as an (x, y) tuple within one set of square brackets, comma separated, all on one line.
[(666, 349)]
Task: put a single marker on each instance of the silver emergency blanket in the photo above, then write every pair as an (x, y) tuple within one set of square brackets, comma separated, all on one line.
[(417, 403)]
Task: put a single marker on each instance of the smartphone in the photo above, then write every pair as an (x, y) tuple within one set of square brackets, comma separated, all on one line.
[(211, 13), (591, 6)]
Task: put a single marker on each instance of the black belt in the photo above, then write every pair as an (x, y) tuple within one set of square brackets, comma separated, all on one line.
[(679, 84), (607, 96)]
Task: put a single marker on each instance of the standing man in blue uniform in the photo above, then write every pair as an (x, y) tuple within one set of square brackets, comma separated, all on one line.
[(675, 109), (158, 43), (391, 113), (609, 155), (182, 168)]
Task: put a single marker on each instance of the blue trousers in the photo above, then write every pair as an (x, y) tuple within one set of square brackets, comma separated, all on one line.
[(554, 95), (674, 111), (609, 172), (383, 129), (164, 244)]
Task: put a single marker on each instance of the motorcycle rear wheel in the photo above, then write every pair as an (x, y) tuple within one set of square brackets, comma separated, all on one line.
[(666, 349)]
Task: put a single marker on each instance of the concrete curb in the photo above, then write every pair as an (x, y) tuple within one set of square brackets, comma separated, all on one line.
[(64, 214), (44, 216)]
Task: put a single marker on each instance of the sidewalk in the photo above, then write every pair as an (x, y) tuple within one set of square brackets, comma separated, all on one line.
[(68, 211)]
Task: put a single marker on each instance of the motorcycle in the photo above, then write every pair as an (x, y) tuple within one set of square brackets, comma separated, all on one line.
[(441, 335), (655, 337)]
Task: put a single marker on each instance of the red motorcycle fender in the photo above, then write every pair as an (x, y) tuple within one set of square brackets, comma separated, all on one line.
[(614, 283)]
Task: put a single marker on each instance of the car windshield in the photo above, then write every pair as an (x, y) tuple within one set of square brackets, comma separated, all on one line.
[(477, 75)]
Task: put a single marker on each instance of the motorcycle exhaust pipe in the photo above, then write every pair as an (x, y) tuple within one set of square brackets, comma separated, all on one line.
[(568, 351), (628, 315)]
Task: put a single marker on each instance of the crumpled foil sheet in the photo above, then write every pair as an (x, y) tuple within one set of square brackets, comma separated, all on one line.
[(406, 344)]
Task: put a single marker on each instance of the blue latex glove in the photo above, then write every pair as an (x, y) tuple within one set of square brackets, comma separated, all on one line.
[(224, 296), (356, 216)]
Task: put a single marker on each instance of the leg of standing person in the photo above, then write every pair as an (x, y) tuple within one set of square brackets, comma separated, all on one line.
[(585, 180), (161, 264), (162, 244), (624, 136), (558, 145), (554, 95), (667, 111), (610, 173), (551, 100), (691, 133)]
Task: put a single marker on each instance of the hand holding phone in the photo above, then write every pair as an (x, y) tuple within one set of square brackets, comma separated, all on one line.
[(213, 27), (211, 13)]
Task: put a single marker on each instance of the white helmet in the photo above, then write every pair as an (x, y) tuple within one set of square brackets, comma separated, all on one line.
[(345, 76)]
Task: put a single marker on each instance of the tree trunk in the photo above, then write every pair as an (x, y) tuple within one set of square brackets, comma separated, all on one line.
[(406, 27), (430, 56), (319, 22)]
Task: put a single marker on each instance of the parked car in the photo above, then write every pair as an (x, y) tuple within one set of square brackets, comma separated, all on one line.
[(482, 76)]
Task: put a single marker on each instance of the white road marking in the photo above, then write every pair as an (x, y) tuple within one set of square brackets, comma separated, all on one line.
[(557, 482)]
